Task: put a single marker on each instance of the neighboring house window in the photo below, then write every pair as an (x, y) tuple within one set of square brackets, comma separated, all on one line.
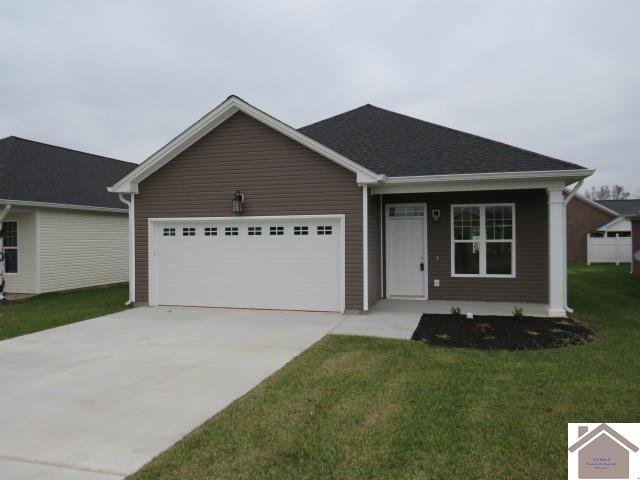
[(10, 243), (483, 240)]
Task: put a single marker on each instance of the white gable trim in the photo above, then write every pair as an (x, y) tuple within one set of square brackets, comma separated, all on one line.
[(621, 224), (213, 119)]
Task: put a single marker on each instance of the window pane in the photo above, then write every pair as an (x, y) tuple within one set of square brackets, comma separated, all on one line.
[(11, 261), (415, 211), (498, 258), (499, 221), (467, 260), (10, 234), (466, 222)]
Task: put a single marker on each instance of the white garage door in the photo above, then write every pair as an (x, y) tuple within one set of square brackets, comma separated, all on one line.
[(291, 263)]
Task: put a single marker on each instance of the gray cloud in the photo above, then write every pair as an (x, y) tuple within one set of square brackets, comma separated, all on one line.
[(122, 78)]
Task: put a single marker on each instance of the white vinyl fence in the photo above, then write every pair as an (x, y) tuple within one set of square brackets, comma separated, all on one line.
[(608, 250)]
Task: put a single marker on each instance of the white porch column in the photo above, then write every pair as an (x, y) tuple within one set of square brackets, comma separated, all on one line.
[(557, 269)]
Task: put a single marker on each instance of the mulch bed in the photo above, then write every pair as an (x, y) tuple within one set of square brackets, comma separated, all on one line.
[(490, 332)]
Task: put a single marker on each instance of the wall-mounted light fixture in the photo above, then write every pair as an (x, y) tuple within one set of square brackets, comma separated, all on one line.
[(435, 214), (237, 204)]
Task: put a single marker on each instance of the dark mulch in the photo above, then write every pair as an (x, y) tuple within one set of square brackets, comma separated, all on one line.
[(490, 332)]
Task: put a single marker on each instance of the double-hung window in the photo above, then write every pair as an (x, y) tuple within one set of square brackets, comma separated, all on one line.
[(10, 246), (483, 240)]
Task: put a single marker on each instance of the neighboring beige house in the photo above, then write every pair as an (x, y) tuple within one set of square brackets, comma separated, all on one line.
[(61, 229)]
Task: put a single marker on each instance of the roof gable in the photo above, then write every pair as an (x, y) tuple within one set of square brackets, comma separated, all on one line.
[(212, 120), (398, 145), (39, 173), (593, 204)]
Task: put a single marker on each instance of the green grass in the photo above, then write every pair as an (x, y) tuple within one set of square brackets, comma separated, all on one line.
[(50, 310), (361, 408)]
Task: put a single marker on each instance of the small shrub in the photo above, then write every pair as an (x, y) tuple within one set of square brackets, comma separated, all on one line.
[(483, 328), (456, 311), (518, 313)]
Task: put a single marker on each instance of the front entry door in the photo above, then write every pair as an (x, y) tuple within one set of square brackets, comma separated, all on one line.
[(406, 268)]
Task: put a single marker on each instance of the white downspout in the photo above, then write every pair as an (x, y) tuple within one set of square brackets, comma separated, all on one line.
[(566, 255), (3, 215), (365, 248), (132, 257)]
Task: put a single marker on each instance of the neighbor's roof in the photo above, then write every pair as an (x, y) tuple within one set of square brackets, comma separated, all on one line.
[(37, 172), (623, 207), (398, 145)]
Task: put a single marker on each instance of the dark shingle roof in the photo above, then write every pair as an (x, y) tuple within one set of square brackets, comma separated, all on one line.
[(37, 172), (398, 145), (623, 207)]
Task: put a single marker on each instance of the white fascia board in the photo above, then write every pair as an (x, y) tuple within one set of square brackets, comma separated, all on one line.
[(129, 183), (23, 203), (573, 175), (481, 181)]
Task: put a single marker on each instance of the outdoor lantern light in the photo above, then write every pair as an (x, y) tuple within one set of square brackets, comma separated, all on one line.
[(237, 204), (435, 214)]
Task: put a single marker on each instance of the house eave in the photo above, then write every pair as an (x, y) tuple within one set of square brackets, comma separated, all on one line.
[(482, 181), (26, 203)]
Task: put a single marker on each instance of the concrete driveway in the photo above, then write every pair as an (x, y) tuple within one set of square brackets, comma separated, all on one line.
[(100, 398)]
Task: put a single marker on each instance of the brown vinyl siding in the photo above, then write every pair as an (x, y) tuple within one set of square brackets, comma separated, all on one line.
[(374, 249), (532, 272), (278, 177), (582, 218)]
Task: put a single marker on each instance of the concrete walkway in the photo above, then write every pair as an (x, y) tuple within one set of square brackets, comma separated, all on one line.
[(399, 318), (98, 399)]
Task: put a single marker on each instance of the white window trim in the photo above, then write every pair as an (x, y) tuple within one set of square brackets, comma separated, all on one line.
[(16, 248), (484, 241)]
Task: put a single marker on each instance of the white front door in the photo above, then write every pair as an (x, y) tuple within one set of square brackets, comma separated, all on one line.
[(406, 267)]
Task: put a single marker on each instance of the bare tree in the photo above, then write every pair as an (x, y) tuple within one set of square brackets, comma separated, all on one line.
[(603, 192), (619, 193)]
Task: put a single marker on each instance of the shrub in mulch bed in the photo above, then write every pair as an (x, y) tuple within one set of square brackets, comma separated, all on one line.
[(490, 332)]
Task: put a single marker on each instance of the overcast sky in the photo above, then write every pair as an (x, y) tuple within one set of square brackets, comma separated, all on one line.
[(122, 78)]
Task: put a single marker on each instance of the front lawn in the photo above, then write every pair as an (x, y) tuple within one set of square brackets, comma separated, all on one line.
[(353, 407), (50, 310)]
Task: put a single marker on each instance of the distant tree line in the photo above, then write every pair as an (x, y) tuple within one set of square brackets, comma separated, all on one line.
[(605, 192)]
